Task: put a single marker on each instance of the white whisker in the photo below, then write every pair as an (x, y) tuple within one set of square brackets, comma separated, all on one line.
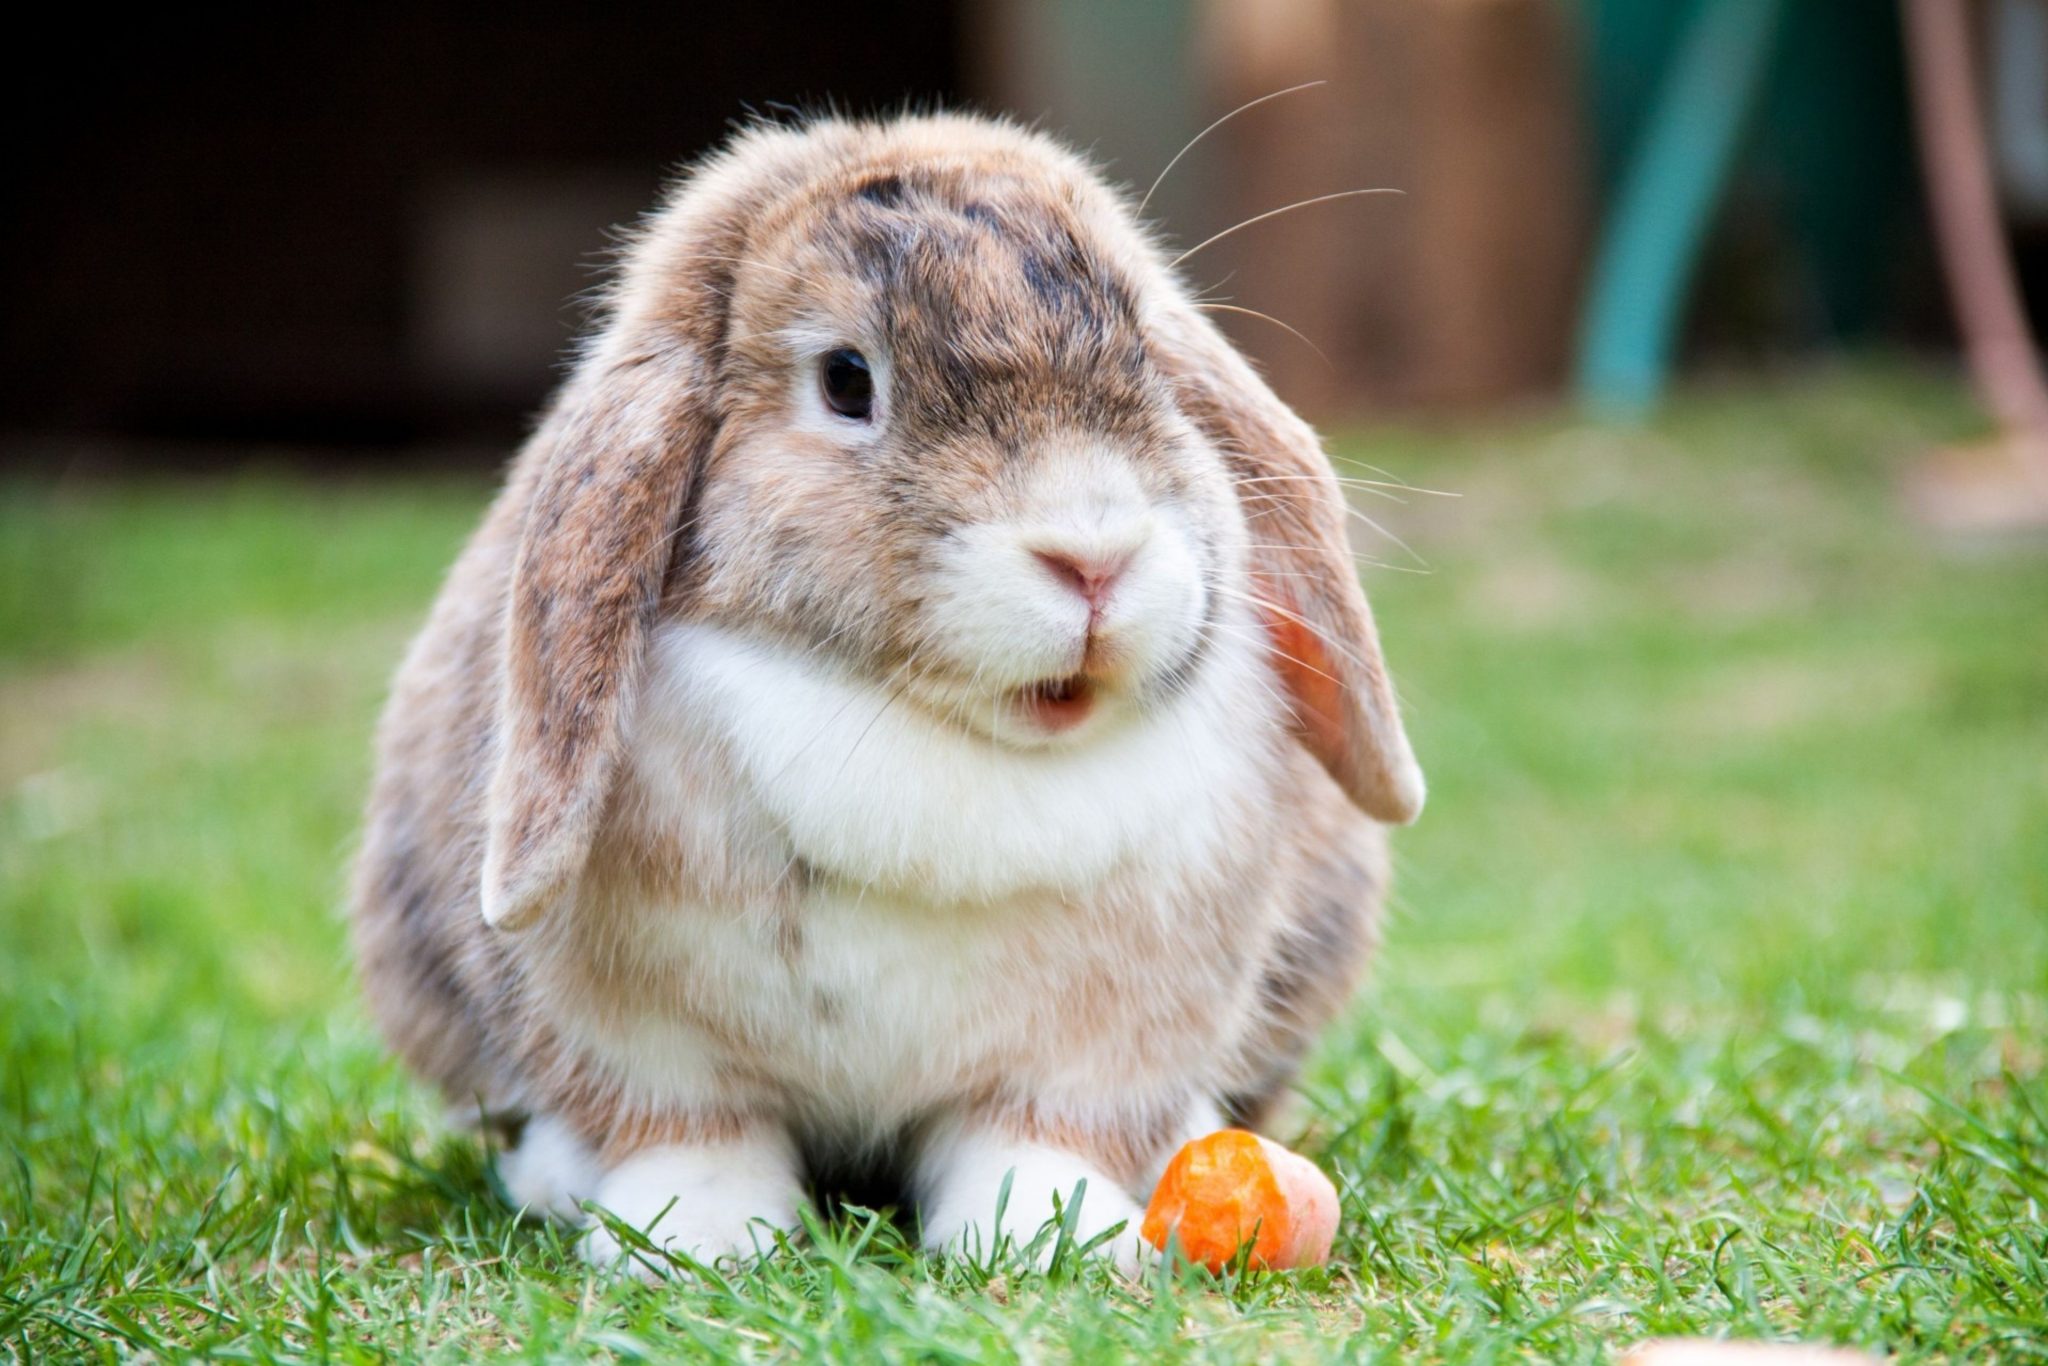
[(1296, 660), (1248, 104), (1351, 510), (1345, 480), (1277, 610), (1254, 313), (1358, 558), (1275, 213)]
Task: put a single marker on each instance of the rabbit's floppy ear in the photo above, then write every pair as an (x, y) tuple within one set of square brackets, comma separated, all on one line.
[(1324, 647), (607, 481)]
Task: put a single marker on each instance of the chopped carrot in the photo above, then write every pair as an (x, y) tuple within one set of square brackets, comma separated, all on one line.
[(1231, 1188)]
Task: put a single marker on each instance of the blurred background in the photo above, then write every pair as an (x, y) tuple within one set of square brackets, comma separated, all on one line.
[(360, 234), (1700, 463)]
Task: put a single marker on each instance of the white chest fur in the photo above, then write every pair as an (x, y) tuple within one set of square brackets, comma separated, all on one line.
[(969, 917), (880, 793)]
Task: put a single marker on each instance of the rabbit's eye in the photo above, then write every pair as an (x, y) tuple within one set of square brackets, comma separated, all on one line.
[(848, 384)]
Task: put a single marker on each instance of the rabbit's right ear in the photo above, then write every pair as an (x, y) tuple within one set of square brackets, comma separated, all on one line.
[(607, 479), (607, 483)]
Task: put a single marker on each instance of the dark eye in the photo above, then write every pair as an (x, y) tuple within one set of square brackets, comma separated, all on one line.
[(848, 385)]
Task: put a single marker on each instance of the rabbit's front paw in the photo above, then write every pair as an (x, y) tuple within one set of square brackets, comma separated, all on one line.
[(965, 1182), (549, 1172), (706, 1202)]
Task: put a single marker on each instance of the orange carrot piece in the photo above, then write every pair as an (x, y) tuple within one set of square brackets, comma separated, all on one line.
[(1230, 1188)]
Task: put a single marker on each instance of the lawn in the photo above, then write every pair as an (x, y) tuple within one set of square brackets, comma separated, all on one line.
[(1715, 1000)]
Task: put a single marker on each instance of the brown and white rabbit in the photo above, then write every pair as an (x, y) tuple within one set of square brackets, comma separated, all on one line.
[(911, 702)]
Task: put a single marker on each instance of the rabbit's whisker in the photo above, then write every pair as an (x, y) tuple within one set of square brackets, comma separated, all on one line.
[(1358, 558), (1349, 481), (1254, 313), (892, 694), (1190, 145), (1299, 662), (1275, 213), (1351, 511), (1258, 600)]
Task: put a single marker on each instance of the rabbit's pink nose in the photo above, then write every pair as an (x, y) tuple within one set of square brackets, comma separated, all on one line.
[(1091, 576)]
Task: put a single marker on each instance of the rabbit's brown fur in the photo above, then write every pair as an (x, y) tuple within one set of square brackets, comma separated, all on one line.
[(564, 792)]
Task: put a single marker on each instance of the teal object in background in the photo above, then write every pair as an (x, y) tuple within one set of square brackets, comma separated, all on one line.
[(1665, 202), (1804, 100)]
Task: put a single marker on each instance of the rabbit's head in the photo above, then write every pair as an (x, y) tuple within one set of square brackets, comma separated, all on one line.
[(922, 399)]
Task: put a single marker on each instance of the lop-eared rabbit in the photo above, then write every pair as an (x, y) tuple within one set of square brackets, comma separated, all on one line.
[(911, 704)]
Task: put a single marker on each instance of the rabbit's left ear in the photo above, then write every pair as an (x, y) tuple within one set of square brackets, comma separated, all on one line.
[(1323, 645), (606, 481)]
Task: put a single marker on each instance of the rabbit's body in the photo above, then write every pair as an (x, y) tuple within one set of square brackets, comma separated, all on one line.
[(797, 831)]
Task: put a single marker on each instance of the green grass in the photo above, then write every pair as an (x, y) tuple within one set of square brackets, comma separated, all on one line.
[(1716, 998)]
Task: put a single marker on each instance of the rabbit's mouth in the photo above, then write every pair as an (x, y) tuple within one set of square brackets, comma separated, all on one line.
[(1057, 704)]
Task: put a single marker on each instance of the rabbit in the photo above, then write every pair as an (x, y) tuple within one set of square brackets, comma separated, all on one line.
[(910, 704)]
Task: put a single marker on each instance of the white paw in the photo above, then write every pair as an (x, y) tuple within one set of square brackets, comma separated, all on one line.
[(964, 1182), (706, 1202), (551, 1172)]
